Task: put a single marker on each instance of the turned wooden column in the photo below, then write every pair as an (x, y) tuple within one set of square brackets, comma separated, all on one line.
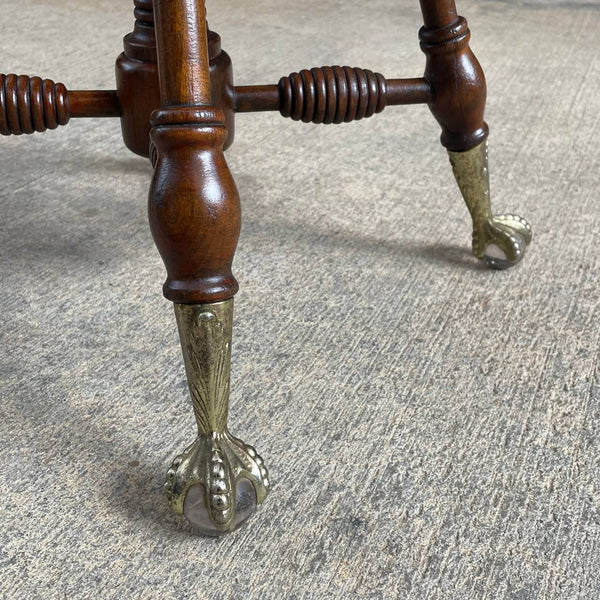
[(455, 75), (194, 207)]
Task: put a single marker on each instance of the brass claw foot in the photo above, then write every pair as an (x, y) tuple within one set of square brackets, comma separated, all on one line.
[(219, 480), (217, 483), (499, 240)]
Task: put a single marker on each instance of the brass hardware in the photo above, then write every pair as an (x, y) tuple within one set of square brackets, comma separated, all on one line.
[(217, 481), (500, 240)]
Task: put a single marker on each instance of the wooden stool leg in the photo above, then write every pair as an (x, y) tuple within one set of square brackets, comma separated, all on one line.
[(459, 91), (194, 212)]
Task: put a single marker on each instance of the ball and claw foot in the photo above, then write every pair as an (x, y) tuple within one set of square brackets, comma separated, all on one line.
[(502, 240), (499, 240), (217, 483)]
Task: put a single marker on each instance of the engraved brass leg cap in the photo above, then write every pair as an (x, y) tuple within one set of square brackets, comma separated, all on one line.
[(499, 240), (217, 483)]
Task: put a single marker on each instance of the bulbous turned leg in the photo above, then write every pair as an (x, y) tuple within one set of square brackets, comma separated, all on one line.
[(218, 481), (499, 240)]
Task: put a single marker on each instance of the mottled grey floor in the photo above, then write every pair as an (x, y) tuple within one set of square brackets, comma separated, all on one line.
[(431, 427)]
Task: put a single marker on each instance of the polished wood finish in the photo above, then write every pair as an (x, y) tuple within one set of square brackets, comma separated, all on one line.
[(255, 98), (134, 111), (455, 76), (194, 207), (138, 85), (344, 94), (137, 79), (182, 37), (408, 91), (453, 85), (176, 101), (172, 61), (438, 13), (32, 104), (93, 104), (177, 63)]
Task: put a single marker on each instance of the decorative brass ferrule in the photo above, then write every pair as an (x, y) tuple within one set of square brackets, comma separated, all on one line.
[(205, 334), (218, 480), (500, 240)]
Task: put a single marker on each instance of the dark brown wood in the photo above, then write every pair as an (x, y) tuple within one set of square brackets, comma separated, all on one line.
[(137, 80), (438, 13), (176, 100), (408, 91), (221, 84), (100, 104), (299, 95), (332, 95), (193, 206), (93, 104), (455, 76), (32, 104), (256, 98)]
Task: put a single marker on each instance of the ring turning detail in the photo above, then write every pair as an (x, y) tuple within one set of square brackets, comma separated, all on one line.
[(499, 240), (218, 481)]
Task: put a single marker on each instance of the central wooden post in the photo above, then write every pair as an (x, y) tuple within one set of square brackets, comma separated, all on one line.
[(438, 13)]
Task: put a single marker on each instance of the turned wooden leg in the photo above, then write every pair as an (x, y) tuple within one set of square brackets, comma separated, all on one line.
[(459, 93), (194, 212)]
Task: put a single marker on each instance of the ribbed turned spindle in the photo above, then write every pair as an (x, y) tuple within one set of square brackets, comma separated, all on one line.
[(332, 95)]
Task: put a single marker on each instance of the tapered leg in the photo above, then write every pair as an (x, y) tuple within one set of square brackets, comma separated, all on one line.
[(218, 481), (500, 240), (459, 92), (194, 213)]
